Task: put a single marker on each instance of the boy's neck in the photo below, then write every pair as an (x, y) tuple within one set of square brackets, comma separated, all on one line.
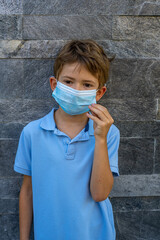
[(74, 120)]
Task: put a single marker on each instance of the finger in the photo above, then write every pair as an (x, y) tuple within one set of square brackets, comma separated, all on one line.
[(104, 110), (93, 113), (99, 113), (95, 119)]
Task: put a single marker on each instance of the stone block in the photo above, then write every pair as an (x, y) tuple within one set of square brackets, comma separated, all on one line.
[(150, 8), (157, 155), (131, 109), (145, 49), (138, 225), (127, 225), (9, 7), (132, 204), (10, 48), (150, 225), (10, 130), (12, 79), (66, 27), (9, 227), (36, 79), (8, 151), (134, 77), (136, 156), (136, 186), (30, 48), (134, 49), (9, 206), (145, 129), (11, 27), (134, 28), (158, 109), (24, 110), (123, 7), (10, 187)]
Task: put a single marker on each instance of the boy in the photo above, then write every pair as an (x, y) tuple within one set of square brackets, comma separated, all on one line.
[(69, 156)]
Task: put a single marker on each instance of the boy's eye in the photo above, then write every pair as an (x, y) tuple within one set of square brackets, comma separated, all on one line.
[(87, 85), (67, 81)]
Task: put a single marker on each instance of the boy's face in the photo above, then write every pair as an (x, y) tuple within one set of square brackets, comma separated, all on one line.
[(78, 77)]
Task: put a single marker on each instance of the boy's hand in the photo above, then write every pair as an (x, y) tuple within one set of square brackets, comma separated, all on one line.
[(102, 120)]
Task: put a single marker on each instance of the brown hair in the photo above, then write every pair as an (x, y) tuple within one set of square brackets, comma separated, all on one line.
[(88, 53)]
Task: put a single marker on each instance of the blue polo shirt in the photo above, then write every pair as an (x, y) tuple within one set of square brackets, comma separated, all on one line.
[(63, 208)]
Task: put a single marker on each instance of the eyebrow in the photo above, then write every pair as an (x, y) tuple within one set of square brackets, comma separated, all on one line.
[(85, 80)]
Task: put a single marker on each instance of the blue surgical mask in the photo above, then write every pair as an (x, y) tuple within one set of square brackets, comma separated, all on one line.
[(73, 101)]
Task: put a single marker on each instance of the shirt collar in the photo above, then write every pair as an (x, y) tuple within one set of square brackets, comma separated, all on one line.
[(48, 123)]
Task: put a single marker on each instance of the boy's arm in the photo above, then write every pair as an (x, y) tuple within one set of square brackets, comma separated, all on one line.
[(101, 178), (25, 208)]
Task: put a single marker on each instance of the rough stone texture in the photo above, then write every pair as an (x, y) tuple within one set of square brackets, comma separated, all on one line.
[(23, 110), (66, 27), (31, 34), (36, 77), (143, 49), (10, 130), (157, 154), (133, 28), (136, 156), (124, 7), (30, 48), (11, 7), (131, 109), (125, 204), (136, 185), (145, 129), (10, 27), (10, 187), (158, 109), (150, 8), (9, 227), (138, 225), (8, 150), (11, 72), (138, 78)]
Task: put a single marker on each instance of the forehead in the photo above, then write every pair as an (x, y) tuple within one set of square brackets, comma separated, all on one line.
[(77, 70)]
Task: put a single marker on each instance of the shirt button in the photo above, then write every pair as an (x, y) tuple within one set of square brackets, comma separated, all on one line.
[(67, 141)]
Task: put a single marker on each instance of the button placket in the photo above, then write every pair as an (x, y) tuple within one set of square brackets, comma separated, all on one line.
[(70, 154)]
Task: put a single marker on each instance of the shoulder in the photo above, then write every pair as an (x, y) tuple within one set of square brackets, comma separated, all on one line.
[(113, 131), (33, 126)]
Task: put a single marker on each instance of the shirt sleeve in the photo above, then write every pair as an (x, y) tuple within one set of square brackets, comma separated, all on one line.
[(22, 162), (113, 146)]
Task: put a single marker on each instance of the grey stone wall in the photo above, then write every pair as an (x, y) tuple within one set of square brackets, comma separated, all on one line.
[(31, 33)]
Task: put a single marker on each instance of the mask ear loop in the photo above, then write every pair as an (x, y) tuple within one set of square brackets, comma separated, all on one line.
[(54, 77), (99, 88)]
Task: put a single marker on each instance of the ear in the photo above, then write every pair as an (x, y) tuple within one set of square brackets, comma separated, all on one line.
[(100, 93), (53, 82)]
